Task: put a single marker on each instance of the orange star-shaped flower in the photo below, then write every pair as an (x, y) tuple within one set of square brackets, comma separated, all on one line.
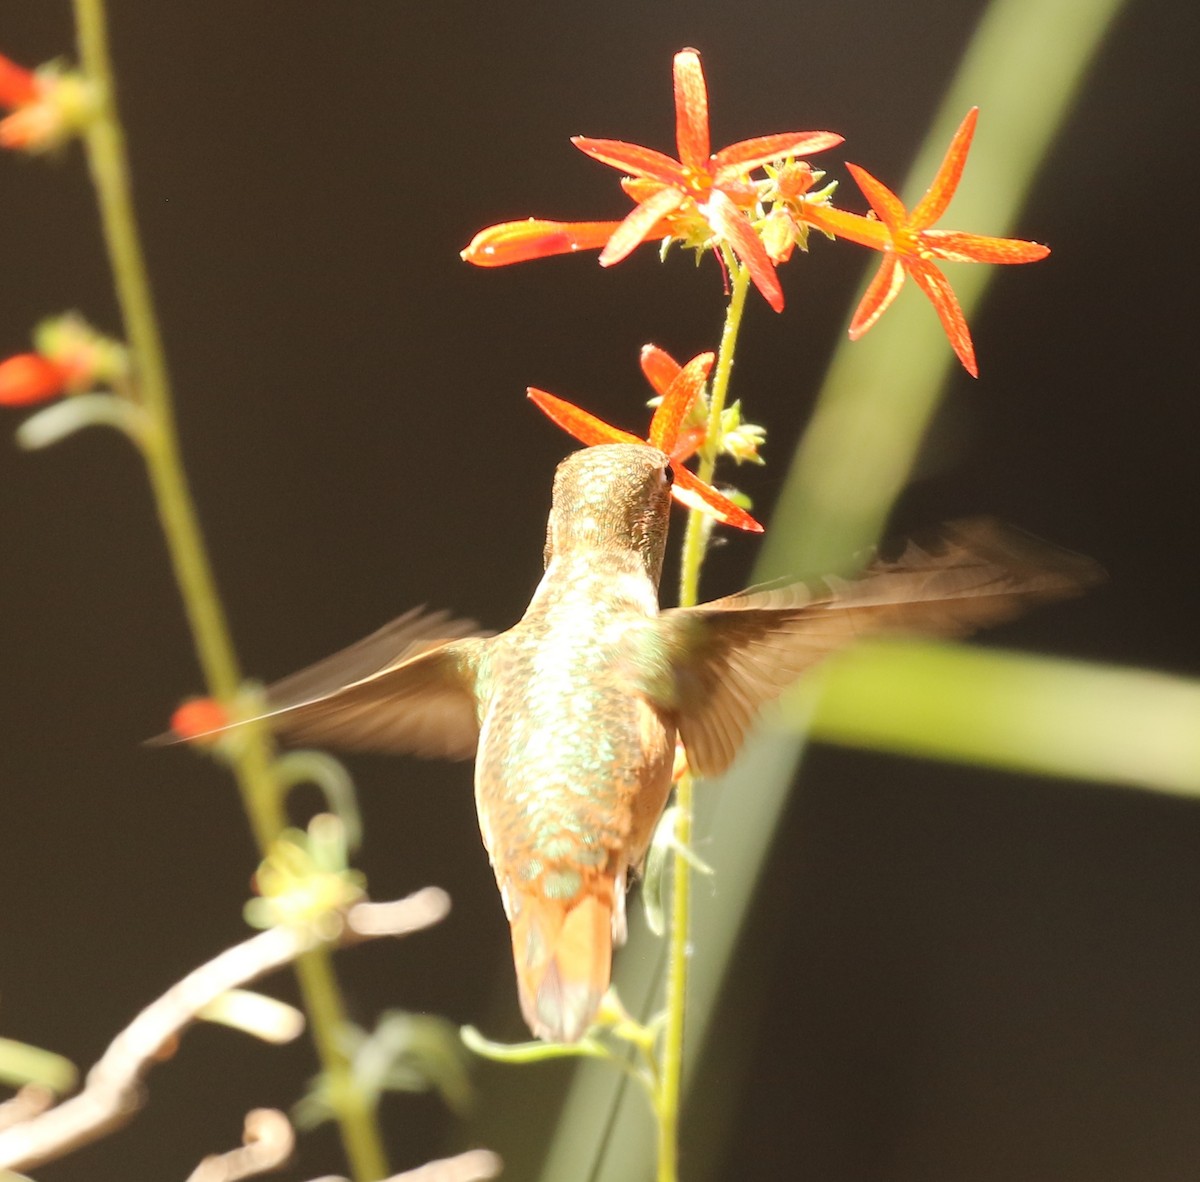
[(699, 199), (714, 184), (680, 386), (909, 246)]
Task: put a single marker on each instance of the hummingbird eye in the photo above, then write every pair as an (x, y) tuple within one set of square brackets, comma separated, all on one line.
[(669, 475)]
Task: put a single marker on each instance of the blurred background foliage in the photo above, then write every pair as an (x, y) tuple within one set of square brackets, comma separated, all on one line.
[(948, 971)]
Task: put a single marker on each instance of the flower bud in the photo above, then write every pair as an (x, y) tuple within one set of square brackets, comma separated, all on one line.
[(30, 378)]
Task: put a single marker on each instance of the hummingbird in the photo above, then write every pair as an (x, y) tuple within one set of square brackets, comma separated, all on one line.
[(572, 714)]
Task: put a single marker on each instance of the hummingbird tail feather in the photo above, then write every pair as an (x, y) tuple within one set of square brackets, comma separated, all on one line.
[(563, 957)]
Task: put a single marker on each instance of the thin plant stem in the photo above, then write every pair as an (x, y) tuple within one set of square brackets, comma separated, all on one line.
[(671, 1080), (252, 764), (698, 523)]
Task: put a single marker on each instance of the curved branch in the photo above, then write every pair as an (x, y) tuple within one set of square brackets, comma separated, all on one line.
[(113, 1092)]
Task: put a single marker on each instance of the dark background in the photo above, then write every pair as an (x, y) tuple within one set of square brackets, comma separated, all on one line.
[(970, 975)]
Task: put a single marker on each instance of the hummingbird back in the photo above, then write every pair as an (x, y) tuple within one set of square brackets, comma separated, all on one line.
[(573, 770)]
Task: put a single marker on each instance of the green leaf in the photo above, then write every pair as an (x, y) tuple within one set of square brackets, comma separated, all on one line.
[(1008, 710)]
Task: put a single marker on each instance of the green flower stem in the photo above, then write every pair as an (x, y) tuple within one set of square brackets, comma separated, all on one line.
[(252, 765), (697, 526), (671, 1080)]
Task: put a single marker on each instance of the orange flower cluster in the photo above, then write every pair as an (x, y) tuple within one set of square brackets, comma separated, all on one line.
[(711, 200)]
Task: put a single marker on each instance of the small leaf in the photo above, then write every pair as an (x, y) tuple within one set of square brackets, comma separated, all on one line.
[(263, 1017), (84, 410)]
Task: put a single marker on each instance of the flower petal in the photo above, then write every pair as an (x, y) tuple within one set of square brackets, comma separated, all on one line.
[(741, 157), (518, 242), (640, 224), (31, 128), (937, 196), (659, 367), (678, 401), (937, 287), (691, 491), (883, 201), (851, 226), (635, 159), (734, 227), (957, 247), (691, 110), (688, 443), (879, 294), (18, 86), (638, 188), (576, 421)]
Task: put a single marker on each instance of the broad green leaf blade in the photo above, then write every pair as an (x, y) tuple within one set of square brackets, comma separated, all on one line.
[(1007, 710)]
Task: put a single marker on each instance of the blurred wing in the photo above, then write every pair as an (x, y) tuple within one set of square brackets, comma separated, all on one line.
[(731, 655), (408, 688), (423, 705), (407, 636)]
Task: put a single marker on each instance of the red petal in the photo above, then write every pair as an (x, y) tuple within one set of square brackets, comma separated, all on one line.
[(741, 157), (678, 400), (937, 287), (518, 242), (687, 443), (29, 378), (880, 292), (743, 194), (18, 86), (937, 196), (691, 491), (199, 718), (734, 227), (659, 367), (576, 421), (638, 188), (956, 247), (883, 201), (635, 159), (639, 225), (691, 111), (30, 128), (851, 226)]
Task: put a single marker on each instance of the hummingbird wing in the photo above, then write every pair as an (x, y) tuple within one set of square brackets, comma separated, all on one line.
[(731, 655), (407, 688)]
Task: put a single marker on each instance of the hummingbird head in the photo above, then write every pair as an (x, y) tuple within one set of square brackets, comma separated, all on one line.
[(614, 497)]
